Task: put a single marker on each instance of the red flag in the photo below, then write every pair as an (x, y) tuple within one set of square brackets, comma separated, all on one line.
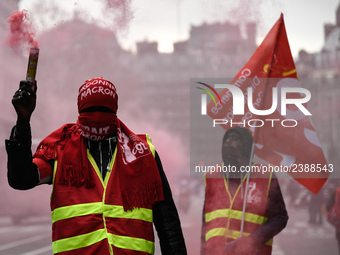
[(276, 141)]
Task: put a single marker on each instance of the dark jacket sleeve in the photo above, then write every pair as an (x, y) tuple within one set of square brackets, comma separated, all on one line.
[(166, 220), (277, 214), (203, 242), (22, 173)]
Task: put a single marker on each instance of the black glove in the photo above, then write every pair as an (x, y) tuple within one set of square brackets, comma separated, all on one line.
[(24, 101)]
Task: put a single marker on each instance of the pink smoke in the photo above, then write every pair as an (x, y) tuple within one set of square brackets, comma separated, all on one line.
[(121, 11), (21, 30)]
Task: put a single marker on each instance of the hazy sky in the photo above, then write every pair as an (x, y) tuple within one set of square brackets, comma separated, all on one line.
[(167, 21)]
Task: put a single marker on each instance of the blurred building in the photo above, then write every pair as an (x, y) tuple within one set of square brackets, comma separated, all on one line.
[(216, 50), (154, 86), (320, 73)]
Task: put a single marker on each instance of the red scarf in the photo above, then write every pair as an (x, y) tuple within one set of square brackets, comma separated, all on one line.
[(97, 125), (140, 181)]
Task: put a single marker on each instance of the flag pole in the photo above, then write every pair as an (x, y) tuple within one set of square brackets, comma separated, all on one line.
[(246, 190), (256, 133)]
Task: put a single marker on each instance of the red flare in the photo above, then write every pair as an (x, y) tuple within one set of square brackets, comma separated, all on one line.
[(21, 30)]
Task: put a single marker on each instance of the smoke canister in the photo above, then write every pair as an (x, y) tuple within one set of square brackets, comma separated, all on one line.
[(32, 65)]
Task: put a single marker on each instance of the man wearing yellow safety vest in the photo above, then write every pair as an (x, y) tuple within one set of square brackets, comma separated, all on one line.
[(109, 187), (265, 211)]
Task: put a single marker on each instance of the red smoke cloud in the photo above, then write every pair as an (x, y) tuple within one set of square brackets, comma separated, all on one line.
[(21, 30), (120, 13), (121, 10)]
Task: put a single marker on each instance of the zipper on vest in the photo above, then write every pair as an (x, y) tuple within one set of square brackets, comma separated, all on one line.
[(108, 168), (100, 158)]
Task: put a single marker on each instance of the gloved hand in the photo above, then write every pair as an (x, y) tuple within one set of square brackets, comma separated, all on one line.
[(245, 245), (24, 101)]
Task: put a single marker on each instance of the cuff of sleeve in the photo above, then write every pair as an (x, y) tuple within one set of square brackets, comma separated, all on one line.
[(22, 133), (44, 167), (13, 145)]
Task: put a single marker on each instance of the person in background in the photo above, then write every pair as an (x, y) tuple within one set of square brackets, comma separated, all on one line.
[(315, 208), (333, 208), (265, 214), (109, 187)]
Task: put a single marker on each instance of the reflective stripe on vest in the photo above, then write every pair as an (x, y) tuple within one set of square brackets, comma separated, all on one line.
[(113, 211), (80, 241), (123, 242), (131, 243), (151, 146), (235, 214), (233, 234)]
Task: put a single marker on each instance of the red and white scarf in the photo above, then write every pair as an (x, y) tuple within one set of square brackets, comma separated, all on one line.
[(97, 125)]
